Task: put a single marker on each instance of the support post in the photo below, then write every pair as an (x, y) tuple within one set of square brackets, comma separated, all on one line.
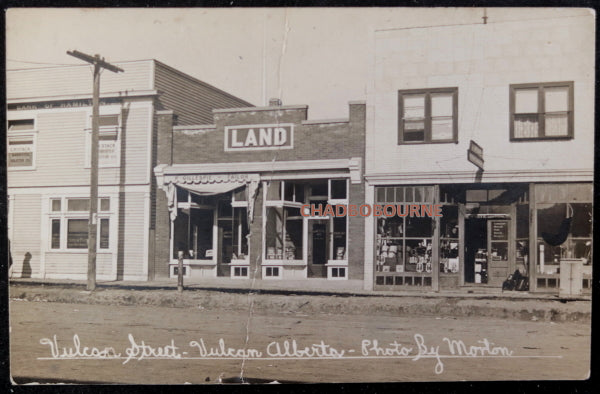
[(180, 271), (98, 64)]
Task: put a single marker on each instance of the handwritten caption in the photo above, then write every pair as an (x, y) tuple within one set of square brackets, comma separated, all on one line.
[(138, 350)]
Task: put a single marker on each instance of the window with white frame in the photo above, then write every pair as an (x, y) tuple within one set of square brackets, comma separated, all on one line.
[(69, 223), (21, 144), (109, 141), (541, 111)]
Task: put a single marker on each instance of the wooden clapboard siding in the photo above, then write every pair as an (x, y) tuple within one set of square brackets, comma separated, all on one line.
[(191, 99), (59, 81), (26, 234), (61, 151), (131, 234), (135, 137), (75, 264)]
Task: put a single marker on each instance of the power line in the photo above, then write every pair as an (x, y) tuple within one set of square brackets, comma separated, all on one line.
[(52, 64)]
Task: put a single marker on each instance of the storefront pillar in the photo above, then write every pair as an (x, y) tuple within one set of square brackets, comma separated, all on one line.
[(532, 238), (435, 244), (255, 242), (461, 244)]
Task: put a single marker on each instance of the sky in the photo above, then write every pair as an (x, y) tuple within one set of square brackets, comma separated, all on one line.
[(314, 56)]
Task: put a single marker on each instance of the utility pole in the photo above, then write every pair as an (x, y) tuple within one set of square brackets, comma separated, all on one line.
[(98, 64)]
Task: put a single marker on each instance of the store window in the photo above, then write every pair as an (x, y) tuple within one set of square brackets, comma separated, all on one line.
[(564, 231), (404, 244), (109, 146), (449, 239), (428, 116), (283, 233), (541, 111), (69, 223)]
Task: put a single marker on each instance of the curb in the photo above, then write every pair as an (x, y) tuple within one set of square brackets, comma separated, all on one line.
[(292, 302)]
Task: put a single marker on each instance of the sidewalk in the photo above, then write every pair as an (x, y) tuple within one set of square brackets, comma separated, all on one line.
[(315, 296)]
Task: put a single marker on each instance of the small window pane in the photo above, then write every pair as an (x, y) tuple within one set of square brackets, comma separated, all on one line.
[(105, 204), (419, 194), (300, 192), (77, 234), (108, 120), (556, 124), (399, 194), (441, 129), (380, 194), (526, 126), (104, 231), (414, 106), (78, 205), (389, 194), (408, 195), (526, 101), (274, 190), (414, 130), (288, 191), (441, 104), (338, 188), (20, 124), (55, 243), (556, 99), (55, 205)]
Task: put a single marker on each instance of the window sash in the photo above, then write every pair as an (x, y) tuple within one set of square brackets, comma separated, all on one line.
[(436, 123), (552, 117)]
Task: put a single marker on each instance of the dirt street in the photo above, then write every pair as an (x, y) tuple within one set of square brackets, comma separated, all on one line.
[(514, 350)]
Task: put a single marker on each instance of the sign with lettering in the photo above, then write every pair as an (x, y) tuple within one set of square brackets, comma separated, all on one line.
[(475, 155), (499, 231), (60, 104), (259, 137)]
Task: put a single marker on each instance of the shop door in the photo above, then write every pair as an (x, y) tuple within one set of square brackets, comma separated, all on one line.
[(317, 248), (497, 252), (476, 242)]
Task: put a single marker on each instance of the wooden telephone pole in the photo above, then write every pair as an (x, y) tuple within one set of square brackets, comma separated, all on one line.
[(98, 64)]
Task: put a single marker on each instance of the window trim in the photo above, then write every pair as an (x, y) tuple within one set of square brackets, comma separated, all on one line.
[(64, 215), (22, 135), (540, 113), (427, 116)]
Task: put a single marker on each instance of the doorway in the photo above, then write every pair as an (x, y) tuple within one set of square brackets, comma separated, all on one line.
[(476, 244), (317, 248)]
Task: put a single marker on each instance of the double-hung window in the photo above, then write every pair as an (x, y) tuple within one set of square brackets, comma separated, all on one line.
[(541, 111), (428, 116), (21, 144), (69, 219)]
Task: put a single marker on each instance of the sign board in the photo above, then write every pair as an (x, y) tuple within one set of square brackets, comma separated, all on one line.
[(259, 137), (499, 231), (475, 155)]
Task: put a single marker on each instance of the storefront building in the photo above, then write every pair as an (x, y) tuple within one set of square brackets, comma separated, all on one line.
[(233, 193), (495, 122), (48, 165)]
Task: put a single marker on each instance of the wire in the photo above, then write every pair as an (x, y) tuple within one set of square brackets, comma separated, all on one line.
[(30, 62)]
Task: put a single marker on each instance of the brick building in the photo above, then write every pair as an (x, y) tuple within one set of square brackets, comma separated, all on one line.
[(233, 192), (48, 164)]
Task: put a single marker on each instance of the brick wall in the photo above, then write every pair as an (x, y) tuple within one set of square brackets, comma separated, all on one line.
[(312, 141)]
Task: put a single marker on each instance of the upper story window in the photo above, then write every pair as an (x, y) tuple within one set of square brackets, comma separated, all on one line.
[(541, 111), (109, 146), (21, 144), (428, 116)]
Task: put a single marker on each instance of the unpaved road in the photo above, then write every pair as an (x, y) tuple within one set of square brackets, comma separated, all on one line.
[(540, 349)]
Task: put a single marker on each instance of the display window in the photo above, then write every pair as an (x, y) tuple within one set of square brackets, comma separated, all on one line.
[(404, 244), (68, 222)]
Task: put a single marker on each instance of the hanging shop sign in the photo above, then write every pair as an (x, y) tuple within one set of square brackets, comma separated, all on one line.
[(259, 137), (475, 155)]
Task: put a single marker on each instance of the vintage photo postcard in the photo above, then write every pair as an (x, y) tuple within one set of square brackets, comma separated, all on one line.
[(299, 195)]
